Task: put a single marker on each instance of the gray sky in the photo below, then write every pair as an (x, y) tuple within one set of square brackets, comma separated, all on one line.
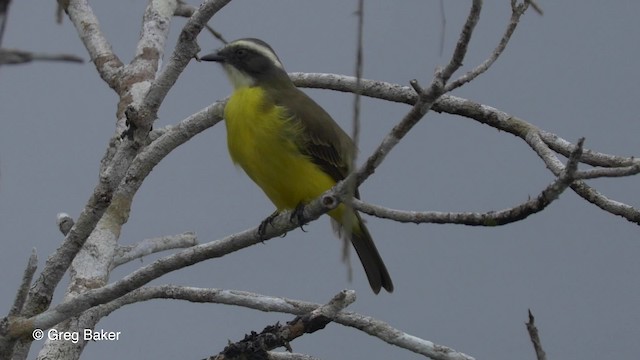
[(572, 72)]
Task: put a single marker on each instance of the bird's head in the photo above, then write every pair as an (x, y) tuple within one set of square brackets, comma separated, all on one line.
[(249, 62)]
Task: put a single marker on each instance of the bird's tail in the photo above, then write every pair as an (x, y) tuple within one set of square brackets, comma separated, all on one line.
[(374, 267)]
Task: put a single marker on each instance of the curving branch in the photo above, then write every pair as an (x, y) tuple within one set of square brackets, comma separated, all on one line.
[(274, 336), (125, 254), (542, 142), (367, 324), (491, 218)]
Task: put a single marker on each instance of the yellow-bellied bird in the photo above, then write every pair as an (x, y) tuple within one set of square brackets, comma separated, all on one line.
[(288, 144)]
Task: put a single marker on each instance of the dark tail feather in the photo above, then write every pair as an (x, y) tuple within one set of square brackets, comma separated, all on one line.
[(374, 267)]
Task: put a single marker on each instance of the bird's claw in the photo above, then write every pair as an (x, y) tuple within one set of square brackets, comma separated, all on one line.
[(298, 214), (262, 228)]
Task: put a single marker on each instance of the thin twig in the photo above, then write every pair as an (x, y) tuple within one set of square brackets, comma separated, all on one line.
[(4, 15), (426, 98), (463, 42), (517, 12), (535, 339), (14, 56), (535, 7), (491, 218), (186, 10)]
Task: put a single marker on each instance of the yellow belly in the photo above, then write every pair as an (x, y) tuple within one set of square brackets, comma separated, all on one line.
[(260, 141)]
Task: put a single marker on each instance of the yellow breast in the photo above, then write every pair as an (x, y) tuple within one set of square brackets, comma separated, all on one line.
[(264, 143)]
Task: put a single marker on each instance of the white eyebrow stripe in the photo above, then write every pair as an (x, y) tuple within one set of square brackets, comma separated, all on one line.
[(265, 51)]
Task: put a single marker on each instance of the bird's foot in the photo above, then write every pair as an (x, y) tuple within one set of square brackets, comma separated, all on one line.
[(262, 229), (298, 214)]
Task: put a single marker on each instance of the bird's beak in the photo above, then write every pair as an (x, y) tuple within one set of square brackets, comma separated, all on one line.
[(213, 57)]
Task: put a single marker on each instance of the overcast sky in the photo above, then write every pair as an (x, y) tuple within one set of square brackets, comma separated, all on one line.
[(572, 71)]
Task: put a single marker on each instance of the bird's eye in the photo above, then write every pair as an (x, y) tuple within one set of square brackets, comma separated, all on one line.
[(241, 52)]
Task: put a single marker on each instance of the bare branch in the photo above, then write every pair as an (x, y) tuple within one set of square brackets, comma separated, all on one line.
[(580, 187), (75, 305), (463, 42), (535, 339), (495, 118), (170, 138), (125, 254), (425, 101), (88, 27), (275, 336), (535, 6), (153, 36), (23, 290), (62, 4), (276, 355), (608, 172), (355, 133), (265, 303), (14, 56), (4, 14), (516, 13), (186, 49), (135, 174), (491, 218), (9, 347), (186, 10), (456, 106), (590, 157), (612, 206)]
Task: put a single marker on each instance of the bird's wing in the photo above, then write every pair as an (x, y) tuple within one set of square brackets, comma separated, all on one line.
[(322, 139)]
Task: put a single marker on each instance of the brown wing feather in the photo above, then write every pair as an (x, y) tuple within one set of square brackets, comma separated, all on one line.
[(323, 140)]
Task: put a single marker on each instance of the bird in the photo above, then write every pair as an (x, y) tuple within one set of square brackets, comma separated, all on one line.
[(289, 145)]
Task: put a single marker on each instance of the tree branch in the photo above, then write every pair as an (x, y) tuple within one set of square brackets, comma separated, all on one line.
[(265, 303), (186, 10), (75, 305), (186, 49), (535, 339), (495, 118), (257, 345), (273, 355), (426, 99), (491, 218), (125, 254), (86, 23), (23, 290), (516, 12), (14, 56)]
